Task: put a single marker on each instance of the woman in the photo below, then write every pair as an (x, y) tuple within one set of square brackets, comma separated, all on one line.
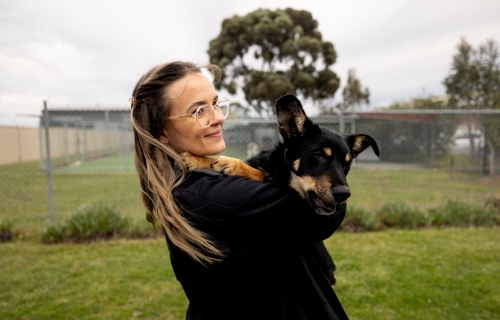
[(241, 249)]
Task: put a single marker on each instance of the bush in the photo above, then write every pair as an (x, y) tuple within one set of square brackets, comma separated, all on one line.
[(52, 235), (461, 214), (88, 223), (403, 215), (494, 202), (358, 220), (95, 222), (6, 233), (140, 229)]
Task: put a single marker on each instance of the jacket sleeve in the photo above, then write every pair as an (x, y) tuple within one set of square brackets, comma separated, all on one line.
[(242, 212)]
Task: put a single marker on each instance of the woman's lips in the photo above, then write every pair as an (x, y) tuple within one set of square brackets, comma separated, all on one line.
[(215, 134)]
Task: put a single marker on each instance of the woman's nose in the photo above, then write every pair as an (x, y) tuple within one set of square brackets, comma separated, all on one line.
[(218, 118)]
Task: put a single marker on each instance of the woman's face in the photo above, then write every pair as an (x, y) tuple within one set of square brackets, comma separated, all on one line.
[(184, 134)]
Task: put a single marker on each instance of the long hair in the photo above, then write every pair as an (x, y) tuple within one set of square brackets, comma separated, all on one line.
[(158, 165)]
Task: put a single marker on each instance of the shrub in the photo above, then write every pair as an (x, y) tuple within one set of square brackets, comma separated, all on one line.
[(494, 202), (358, 219), (403, 215), (88, 223), (140, 229), (461, 214), (95, 222), (52, 235), (6, 233)]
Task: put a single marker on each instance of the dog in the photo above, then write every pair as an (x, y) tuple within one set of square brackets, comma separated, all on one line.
[(312, 160)]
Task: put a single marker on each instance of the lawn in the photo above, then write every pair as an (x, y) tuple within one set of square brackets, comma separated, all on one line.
[(423, 187), (24, 190), (394, 274)]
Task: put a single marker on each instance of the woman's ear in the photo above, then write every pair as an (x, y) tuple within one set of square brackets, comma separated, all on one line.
[(164, 139)]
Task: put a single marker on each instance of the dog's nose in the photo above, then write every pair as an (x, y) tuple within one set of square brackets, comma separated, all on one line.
[(341, 193)]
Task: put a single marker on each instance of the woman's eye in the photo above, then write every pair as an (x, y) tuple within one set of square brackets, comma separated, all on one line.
[(201, 111)]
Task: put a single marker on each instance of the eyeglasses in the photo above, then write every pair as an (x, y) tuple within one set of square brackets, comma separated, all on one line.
[(205, 114)]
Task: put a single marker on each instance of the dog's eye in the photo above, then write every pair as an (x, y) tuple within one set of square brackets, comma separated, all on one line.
[(319, 156)]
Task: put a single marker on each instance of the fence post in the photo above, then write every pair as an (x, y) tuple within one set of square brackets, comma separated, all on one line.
[(49, 166), (341, 122)]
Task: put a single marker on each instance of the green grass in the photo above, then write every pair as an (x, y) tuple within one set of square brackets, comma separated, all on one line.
[(425, 188), (24, 194), (396, 274), (123, 162), (24, 191), (427, 274)]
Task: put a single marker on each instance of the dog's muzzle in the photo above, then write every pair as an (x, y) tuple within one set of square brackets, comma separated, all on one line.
[(319, 205)]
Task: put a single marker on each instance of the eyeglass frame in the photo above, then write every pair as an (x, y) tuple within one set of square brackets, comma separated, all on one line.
[(195, 114)]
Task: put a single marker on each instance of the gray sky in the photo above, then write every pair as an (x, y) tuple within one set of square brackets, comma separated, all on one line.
[(93, 52)]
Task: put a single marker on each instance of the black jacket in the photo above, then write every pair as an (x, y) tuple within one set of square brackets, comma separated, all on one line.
[(272, 241)]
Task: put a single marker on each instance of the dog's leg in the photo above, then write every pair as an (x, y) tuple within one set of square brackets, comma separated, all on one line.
[(222, 164), (193, 162), (236, 167)]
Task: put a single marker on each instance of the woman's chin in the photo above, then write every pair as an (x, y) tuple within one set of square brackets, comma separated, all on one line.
[(219, 148)]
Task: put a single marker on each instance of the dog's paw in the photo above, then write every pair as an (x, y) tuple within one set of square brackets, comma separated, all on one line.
[(236, 167), (226, 165), (193, 162)]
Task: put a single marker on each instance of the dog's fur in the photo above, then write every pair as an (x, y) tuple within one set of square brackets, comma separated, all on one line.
[(312, 160)]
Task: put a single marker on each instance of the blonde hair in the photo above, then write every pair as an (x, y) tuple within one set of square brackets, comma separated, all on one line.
[(159, 166)]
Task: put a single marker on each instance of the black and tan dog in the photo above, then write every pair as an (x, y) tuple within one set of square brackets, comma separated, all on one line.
[(312, 160)]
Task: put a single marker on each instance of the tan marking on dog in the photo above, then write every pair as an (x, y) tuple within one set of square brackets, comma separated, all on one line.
[(347, 158), (297, 184), (299, 120), (236, 167), (327, 151), (196, 162), (321, 186), (358, 144), (296, 165)]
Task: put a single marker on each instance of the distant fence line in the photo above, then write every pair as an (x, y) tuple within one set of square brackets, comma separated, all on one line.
[(19, 145), (78, 135), (66, 144), (88, 142)]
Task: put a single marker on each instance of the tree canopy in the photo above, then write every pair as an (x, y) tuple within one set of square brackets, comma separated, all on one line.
[(270, 53), (474, 83), (353, 94), (474, 78)]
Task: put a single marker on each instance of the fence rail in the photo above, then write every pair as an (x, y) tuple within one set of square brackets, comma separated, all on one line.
[(91, 152)]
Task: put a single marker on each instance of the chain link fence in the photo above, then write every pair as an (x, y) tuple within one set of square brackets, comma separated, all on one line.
[(54, 159)]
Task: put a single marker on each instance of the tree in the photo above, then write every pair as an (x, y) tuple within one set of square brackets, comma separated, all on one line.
[(462, 84), (488, 66), (352, 94), (269, 53), (462, 81), (474, 82)]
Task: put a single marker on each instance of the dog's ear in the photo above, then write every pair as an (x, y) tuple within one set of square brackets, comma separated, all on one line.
[(359, 142), (292, 120)]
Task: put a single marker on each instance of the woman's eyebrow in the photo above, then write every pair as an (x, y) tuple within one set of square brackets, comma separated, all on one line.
[(200, 103), (195, 105)]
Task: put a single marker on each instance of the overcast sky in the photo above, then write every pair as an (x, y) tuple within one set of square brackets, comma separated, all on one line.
[(93, 52)]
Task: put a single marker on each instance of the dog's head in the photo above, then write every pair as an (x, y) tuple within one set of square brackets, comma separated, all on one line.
[(319, 158)]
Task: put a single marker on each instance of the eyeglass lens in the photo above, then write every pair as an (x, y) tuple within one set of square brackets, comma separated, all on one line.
[(205, 114)]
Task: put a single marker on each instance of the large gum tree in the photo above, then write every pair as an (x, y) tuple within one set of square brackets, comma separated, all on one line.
[(267, 54)]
